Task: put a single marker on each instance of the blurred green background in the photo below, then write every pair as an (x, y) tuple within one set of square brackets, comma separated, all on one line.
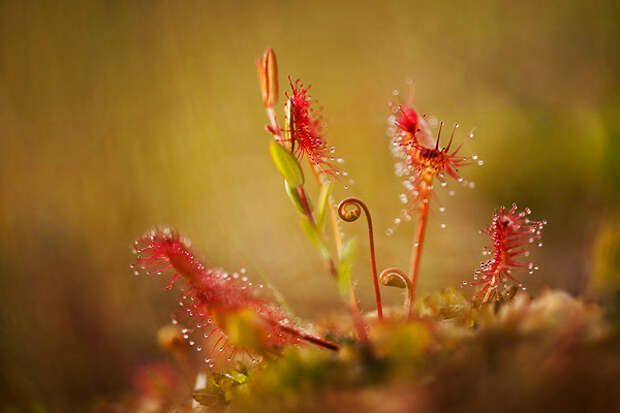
[(118, 116)]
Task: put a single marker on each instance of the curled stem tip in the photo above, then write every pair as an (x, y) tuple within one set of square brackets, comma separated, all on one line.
[(349, 210), (394, 277)]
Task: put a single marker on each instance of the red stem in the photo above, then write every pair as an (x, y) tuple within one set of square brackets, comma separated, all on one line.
[(358, 322), (271, 114), (311, 339), (416, 253), (373, 262)]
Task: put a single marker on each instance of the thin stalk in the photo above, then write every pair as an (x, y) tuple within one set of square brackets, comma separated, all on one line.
[(353, 215), (311, 339), (358, 321), (332, 216), (418, 243), (334, 223), (273, 119), (329, 262)]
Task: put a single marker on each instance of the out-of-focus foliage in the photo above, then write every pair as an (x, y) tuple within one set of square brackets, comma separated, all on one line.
[(605, 280), (534, 354), (117, 116)]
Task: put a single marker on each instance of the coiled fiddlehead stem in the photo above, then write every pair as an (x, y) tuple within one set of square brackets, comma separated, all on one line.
[(350, 210), (394, 277)]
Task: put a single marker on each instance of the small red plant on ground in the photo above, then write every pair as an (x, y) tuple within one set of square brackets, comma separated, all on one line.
[(511, 235), (212, 296), (421, 163)]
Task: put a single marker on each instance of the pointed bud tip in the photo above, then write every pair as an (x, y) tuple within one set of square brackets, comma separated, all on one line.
[(267, 69)]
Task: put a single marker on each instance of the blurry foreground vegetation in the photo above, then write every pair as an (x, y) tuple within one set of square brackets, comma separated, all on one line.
[(552, 353)]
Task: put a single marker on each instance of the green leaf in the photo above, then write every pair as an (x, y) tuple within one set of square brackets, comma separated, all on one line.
[(286, 164), (323, 204), (344, 269), (293, 195), (315, 238)]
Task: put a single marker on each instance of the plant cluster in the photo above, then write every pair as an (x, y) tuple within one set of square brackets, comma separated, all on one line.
[(250, 347)]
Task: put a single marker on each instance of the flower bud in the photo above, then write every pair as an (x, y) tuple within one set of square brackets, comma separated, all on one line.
[(267, 69)]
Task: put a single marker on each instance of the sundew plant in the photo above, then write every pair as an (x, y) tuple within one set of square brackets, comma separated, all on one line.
[(238, 347)]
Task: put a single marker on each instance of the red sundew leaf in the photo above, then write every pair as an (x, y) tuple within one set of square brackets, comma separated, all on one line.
[(413, 127), (421, 164), (305, 131), (511, 235), (211, 296)]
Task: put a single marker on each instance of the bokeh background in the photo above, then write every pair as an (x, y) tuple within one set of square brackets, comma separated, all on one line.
[(118, 116)]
